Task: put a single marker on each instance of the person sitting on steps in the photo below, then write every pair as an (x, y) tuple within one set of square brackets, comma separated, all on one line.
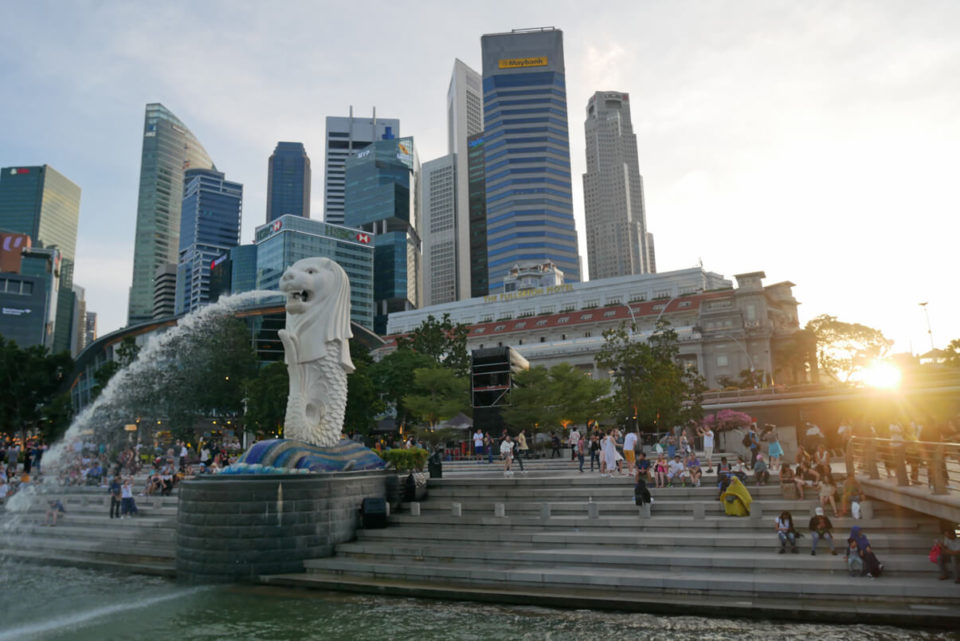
[(786, 532), (820, 528), (858, 547)]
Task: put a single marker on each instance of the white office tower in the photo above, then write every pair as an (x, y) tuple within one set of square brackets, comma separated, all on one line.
[(617, 242), (464, 119), (346, 136), (439, 232)]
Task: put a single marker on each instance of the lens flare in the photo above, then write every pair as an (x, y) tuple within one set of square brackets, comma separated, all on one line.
[(882, 375)]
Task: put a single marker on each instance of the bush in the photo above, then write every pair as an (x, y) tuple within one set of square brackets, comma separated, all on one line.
[(406, 460)]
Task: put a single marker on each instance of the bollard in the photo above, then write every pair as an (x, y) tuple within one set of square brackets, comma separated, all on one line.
[(545, 511), (414, 509), (645, 511), (456, 509), (699, 511), (499, 510), (866, 509), (938, 470), (870, 460), (593, 510), (900, 465)]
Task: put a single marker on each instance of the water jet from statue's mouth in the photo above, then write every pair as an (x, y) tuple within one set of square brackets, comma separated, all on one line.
[(301, 296)]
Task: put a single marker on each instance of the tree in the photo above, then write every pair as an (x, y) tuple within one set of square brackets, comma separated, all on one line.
[(393, 376), (31, 380), (442, 340), (266, 395), (363, 398), (653, 386), (844, 349), (437, 395), (548, 398), (796, 358), (952, 353)]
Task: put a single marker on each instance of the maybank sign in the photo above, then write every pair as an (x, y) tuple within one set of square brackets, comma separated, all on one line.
[(517, 63)]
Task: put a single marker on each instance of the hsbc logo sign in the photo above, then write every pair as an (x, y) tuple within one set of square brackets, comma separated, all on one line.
[(363, 238), (277, 225)]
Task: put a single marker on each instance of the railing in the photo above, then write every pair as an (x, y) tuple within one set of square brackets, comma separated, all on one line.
[(910, 462)]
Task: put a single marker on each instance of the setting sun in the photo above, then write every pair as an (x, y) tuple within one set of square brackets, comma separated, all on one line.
[(881, 374)]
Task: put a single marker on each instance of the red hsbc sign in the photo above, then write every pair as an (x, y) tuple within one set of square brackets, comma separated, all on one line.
[(277, 225), (363, 238)]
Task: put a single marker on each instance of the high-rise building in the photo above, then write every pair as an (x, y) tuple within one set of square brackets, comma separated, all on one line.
[(30, 283), (90, 328), (42, 203), (477, 208), (617, 242), (346, 136), (288, 181), (165, 291), (527, 154), (209, 226), (234, 272), (383, 198), (289, 238), (169, 149), (464, 119), (440, 246)]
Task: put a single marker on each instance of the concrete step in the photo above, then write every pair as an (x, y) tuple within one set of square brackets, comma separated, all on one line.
[(151, 566), (757, 561), (563, 531), (705, 581), (111, 549)]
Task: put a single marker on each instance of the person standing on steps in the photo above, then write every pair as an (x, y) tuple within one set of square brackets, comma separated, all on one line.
[(572, 442), (478, 443), (821, 528), (707, 435), (609, 454), (521, 448), (595, 451), (754, 444), (115, 497), (554, 445), (629, 451), (949, 554), (581, 446), (506, 453)]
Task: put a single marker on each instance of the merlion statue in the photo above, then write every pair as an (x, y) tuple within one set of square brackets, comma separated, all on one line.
[(316, 343)]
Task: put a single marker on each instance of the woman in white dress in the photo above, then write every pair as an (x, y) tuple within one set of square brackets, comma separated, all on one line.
[(610, 453)]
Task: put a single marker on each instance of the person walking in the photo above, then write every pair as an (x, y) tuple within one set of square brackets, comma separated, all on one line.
[(572, 442), (554, 445), (506, 453), (520, 449), (609, 454), (581, 445)]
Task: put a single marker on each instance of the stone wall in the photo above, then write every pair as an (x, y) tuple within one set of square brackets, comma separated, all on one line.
[(234, 528)]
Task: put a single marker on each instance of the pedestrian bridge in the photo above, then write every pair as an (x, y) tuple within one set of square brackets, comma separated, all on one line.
[(922, 476)]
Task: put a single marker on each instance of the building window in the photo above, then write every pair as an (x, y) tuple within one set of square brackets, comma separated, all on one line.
[(499, 328), (610, 313), (613, 301), (568, 308), (520, 325), (661, 293), (586, 317), (684, 303), (591, 304), (721, 360), (638, 298), (543, 340), (480, 330), (563, 319), (541, 323), (586, 334)]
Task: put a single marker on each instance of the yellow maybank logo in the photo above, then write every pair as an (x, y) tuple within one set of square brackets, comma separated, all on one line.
[(516, 63)]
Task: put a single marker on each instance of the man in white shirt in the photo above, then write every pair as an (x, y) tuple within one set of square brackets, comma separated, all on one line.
[(675, 470), (572, 442), (478, 442), (629, 451)]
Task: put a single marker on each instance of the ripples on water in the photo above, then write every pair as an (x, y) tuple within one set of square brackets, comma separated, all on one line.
[(60, 604)]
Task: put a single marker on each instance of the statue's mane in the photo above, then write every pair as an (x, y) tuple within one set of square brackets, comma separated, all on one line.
[(325, 321)]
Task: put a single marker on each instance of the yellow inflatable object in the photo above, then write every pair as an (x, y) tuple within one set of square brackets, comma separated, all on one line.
[(736, 500)]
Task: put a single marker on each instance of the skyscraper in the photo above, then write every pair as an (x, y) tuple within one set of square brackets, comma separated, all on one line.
[(477, 204), (464, 119), (440, 247), (527, 153), (169, 149), (344, 137), (44, 204), (383, 198), (288, 181), (617, 241), (209, 227)]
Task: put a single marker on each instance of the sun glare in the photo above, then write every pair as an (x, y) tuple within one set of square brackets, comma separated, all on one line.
[(881, 374)]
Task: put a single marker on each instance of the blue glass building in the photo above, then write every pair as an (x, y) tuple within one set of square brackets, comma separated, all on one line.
[(290, 238), (288, 181), (382, 197), (527, 154), (209, 226)]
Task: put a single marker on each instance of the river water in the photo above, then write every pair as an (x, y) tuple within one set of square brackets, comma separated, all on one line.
[(68, 604)]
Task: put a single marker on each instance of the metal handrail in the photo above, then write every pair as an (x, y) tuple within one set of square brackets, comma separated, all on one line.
[(930, 463)]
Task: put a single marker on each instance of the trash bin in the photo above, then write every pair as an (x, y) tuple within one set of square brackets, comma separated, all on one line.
[(435, 464)]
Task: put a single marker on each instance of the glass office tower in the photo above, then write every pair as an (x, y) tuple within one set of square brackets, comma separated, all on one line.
[(383, 198), (288, 181), (209, 226), (527, 154), (169, 149)]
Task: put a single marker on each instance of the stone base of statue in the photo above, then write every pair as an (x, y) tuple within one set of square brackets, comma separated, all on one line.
[(286, 456)]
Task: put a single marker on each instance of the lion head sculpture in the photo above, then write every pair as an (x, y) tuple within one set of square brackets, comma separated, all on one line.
[(318, 308)]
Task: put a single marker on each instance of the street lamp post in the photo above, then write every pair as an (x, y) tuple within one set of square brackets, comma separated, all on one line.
[(927, 316)]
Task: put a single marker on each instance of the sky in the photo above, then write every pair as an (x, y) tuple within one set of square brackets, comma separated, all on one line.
[(816, 141)]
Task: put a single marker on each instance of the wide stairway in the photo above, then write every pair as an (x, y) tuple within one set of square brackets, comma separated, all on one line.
[(86, 536), (577, 540)]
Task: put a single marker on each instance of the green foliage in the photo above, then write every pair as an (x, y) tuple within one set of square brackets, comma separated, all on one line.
[(843, 349), (267, 398), (393, 375), (652, 384), (404, 460), (31, 381), (437, 394), (442, 340), (953, 353), (796, 358), (545, 399), (363, 398)]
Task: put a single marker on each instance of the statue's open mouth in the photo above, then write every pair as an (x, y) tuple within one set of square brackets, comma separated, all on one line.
[(302, 295)]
